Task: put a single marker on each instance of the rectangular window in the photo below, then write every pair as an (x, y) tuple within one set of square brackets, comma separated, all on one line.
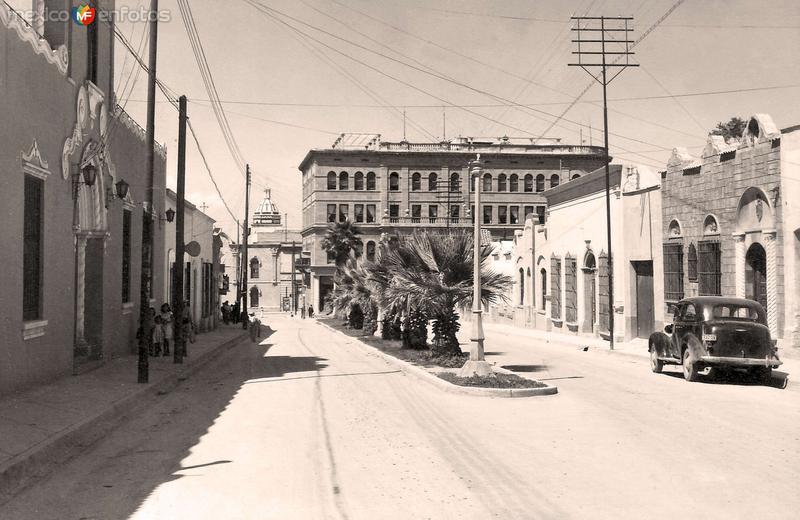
[(555, 288), (529, 211), (330, 258), (602, 279), (91, 48), (416, 213), (331, 212), (358, 212), (673, 271), (487, 214), (394, 212), (709, 268), (513, 214), (343, 209), (126, 256), (540, 213), (454, 214), (433, 212), (370, 213), (32, 249), (502, 214), (472, 213), (571, 290)]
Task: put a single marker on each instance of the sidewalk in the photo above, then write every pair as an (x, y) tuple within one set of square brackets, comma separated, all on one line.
[(47, 425)]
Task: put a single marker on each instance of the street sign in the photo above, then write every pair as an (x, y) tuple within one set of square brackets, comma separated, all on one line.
[(193, 248)]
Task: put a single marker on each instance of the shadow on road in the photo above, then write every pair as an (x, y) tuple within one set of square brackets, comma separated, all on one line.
[(525, 368), (779, 379)]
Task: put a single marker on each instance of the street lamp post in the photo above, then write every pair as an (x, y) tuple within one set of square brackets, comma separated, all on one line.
[(477, 364)]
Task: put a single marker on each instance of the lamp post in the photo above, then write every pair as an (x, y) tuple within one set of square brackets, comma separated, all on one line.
[(477, 364)]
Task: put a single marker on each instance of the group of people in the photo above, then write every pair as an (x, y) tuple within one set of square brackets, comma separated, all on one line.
[(231, 313), (159, 328)]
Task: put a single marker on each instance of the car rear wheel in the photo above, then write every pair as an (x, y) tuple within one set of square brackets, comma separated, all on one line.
[(690, 372), (656, 365)]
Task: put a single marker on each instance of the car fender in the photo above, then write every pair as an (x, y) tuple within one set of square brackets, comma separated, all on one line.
[(660, 342), (695, 346)]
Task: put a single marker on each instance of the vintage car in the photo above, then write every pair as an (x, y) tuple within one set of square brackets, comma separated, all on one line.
[(716, 332)]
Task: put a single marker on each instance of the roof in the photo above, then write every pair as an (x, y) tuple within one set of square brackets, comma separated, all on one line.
[(715, 300), (266, 213), (588, 184)]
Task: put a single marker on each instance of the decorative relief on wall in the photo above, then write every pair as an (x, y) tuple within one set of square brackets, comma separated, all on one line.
[(58, 57)]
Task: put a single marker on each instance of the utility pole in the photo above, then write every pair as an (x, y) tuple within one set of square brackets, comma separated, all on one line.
[(616, 24), (143, 366), (238, 263), (177, 288), (246, 235), (294, 284)]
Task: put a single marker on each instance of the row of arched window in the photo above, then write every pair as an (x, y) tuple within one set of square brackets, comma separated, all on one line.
[(504, 183), (359, 179)]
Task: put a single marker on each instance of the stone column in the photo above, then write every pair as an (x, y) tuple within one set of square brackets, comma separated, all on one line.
[(772, 282), (80, 243), (739, 255)]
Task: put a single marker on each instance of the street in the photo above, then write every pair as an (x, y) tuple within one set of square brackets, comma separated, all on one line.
[(307, 424)]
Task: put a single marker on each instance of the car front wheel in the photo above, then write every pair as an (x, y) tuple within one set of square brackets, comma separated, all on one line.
[(656, 365), (690, 372)]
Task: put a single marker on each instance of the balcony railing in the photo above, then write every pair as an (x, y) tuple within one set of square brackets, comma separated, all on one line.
[(428, 221)]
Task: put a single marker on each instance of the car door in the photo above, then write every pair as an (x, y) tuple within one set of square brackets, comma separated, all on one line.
[(677, 327)]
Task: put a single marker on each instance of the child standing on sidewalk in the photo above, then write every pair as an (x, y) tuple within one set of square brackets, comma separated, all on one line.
[(158, 336)]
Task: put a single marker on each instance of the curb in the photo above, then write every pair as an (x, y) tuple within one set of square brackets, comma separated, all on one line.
[(446, 386), (39, 460)]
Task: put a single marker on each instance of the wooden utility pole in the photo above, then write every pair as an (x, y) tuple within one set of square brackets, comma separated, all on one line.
[(294, 284), (246, 235), (608, 35), (145, 321), (177, 287)]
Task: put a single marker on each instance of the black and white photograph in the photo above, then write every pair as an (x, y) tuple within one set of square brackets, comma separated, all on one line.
[(399, 259)]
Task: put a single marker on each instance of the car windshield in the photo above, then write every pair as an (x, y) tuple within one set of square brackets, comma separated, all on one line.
[(728, 310)]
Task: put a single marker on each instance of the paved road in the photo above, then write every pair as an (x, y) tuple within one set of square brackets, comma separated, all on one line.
[(306, 425)]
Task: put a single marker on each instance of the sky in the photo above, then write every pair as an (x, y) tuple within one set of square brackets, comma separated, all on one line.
[(285, 92)]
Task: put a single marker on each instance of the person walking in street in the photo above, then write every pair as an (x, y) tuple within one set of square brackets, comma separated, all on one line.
[(158, 336), (254, 328), (188, 328), (226, 313), (167, 323), (310, 311)]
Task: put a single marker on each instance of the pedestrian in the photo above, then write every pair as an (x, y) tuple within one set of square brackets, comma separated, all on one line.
[(158, 336), (310, 311), (254, 328), (226, 313), (168, 325), (235, 312), (188, 327)]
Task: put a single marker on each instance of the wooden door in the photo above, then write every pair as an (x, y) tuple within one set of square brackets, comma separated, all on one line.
[(755, 275), (645, 316)]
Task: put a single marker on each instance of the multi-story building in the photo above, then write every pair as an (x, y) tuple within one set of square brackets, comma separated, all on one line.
[(731, 223), (395, 188), (72, 238)]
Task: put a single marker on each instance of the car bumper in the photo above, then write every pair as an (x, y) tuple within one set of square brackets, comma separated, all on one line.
[(742, 362)]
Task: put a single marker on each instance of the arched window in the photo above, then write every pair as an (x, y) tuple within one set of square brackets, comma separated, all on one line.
[(487, 182), (454, 182), (394, 181), (575, 176), (521, 286), (416, 182), (331, 180), (254, 265), (692, 263), (501, 182), (543, 284), (554, 180), (371, 251), (513, 183), (432, 180), (254, 296), (358, 181), (528, 183), (371, 181), (539, 183), (344, 181)]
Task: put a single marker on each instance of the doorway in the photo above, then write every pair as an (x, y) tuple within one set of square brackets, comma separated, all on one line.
[(93, 298), (755, 274), (325, 288), (589, 292), (645, 315)]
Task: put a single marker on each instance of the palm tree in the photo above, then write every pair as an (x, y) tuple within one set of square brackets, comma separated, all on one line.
[(434, 271), (353, 295), (340, 239)]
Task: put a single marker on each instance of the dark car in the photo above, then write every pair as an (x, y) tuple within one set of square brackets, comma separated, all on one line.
[(718, 332)]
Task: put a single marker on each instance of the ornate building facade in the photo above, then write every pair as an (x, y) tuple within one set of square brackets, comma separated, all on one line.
[(395, 188), (732, 222), (73, 247)]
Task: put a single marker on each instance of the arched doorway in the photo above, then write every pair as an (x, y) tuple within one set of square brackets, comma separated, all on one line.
[(755, 274), (521, 286), (589, 292)]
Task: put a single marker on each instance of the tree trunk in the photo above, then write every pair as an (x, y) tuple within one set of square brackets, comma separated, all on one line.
[(445, 327)]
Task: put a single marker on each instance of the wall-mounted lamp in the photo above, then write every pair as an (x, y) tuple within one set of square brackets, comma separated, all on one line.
[(170, 213), (122, 189), (85, 175)]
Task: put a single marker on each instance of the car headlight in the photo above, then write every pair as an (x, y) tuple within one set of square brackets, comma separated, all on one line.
[(709, 337)]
